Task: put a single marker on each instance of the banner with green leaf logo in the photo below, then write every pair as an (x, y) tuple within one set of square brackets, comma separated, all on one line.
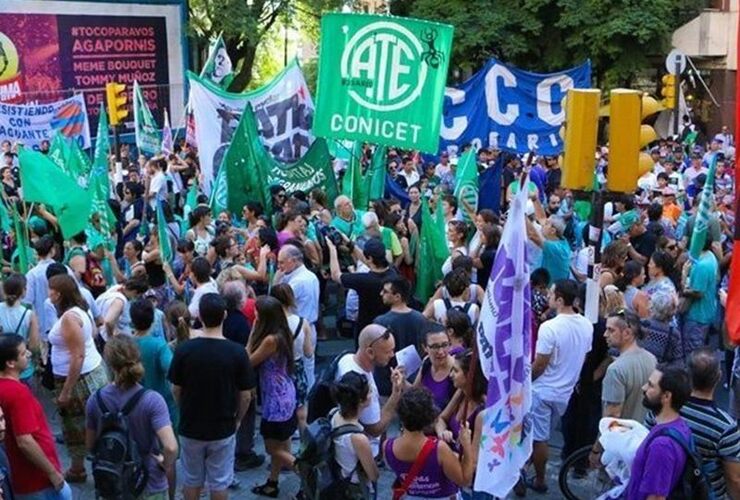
[(382, 79)]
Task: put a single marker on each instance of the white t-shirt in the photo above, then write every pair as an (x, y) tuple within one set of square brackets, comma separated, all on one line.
[(158, 188), (567, 339), (371, 413), (440, 310), (105, 301), (293, 321), (194, 307)]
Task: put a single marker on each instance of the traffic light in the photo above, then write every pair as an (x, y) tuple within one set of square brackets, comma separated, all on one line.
[(581, 128), (668, 91), (115, 96), (625, 116)]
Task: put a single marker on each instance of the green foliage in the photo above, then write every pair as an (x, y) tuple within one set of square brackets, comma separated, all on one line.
[(619, 36)]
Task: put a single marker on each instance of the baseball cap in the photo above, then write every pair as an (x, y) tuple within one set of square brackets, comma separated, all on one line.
[(374, 249), (719, 138)]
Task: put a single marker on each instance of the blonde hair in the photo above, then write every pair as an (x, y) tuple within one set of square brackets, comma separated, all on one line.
[(178, 317), (124, 359), (611, 301)]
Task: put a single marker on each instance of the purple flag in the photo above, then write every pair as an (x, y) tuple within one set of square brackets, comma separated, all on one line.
[(504, 345), (167, 144)]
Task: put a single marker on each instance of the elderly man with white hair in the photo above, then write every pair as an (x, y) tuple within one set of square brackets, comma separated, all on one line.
[(556, 252), (348, 220)]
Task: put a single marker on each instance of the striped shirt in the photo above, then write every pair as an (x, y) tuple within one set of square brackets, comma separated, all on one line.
[(716, 436)]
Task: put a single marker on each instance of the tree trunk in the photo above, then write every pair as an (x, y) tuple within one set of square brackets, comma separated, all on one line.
[(244, 76)]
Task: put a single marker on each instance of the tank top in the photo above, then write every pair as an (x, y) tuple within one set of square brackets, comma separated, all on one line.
[(442, 391), (295, 324), (17, 319), (202, 243), (344, 453), (60, 353), (278, 391), (454, 423), (105, 301), (431, 481)]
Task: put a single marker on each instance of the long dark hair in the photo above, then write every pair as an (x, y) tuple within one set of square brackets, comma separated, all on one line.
[(470, 365), (70, 295), (271, 321)]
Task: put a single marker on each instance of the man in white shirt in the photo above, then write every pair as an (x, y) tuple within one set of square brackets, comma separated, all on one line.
[(37, 286), (200, 271), (443, 167), (157, 182), (376, 349), (305, 286), (408, 176), (562, 345)]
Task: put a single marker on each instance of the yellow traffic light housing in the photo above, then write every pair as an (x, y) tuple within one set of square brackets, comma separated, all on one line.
[(581, 128), (625, 115), (668, 91), (115, 96)]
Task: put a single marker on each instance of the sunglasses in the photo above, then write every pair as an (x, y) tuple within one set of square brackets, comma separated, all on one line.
[(385, 336)]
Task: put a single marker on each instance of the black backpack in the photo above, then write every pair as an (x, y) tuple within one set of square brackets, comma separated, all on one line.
[(118, 468), (321, 475), (320, 401), (693, 483), (464, 308)]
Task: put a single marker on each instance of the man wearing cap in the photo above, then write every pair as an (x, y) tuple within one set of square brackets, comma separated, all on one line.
[(716, 146), (368, 285), (694, 169), (671, 210)]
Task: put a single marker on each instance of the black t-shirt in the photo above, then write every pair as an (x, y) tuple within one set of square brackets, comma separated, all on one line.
[(645, 243), (368, 286), (236, 327), (210, 373), (408, 329)]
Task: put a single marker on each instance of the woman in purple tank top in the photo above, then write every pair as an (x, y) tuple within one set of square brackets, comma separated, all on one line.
[(443, 471), (460, 330), (435, 371), (270, 350), (464, 412)]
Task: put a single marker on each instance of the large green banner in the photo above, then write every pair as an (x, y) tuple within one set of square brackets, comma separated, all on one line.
[(382, 79)]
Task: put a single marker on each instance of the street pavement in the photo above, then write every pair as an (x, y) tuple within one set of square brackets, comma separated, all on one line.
[(289, 483)]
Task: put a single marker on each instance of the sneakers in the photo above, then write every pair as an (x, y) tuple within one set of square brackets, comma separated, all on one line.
[(248, 462)]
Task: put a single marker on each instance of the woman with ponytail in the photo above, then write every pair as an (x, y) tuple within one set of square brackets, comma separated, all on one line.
[(178, 322), (148, 421), (17, 318)]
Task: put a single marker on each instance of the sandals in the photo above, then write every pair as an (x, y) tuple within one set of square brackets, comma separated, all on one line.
[(269, 489), (73, 476), (532, 485)]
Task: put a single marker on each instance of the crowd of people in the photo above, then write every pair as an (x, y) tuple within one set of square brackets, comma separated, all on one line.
[(201, 353)]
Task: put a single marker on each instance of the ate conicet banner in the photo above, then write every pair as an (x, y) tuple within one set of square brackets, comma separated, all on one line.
[(283, 108), (382, 79), (507, 108), (30, 124)]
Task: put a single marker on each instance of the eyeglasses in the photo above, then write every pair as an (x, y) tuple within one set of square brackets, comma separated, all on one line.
[(385, 336), (439, 347)]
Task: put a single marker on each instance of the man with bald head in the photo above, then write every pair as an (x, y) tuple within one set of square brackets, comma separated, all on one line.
[(305, 286), (715, 431), (376, 349)]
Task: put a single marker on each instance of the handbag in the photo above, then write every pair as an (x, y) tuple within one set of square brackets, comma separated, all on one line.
[(400, 491)]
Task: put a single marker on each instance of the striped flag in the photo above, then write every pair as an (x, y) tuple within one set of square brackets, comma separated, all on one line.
[(167, 143), (699, 234), (165, 247), (504, 339)]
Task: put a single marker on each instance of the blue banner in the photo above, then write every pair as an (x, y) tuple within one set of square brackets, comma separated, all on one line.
[(510, 109)]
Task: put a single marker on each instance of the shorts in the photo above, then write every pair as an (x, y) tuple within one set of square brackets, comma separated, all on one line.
[(279, 431), (544, 413), (301, 382), (208, 463)]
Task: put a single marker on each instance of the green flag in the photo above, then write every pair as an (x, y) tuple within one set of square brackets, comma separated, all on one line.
[(21, 243), (376, 174), (219, 193), (44, 183), (217, 67), (699, 234), (382, 79), (466, 185), (67, 155), (165, 247), (98, 183), (147, 135), (353, 185), (431, 252), (58, 152), (4, 217), (250, 169), (191, 200)]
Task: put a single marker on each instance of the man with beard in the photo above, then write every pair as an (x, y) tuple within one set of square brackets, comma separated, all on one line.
[(660, 459)]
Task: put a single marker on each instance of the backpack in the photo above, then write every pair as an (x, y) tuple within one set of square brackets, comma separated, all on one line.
[(118, 468), (321, 475), (319, 400), (464, 308), (693, 482), (93, 276)]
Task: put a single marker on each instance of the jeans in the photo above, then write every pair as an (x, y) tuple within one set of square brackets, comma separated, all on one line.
[(694, 336), (65, 493)]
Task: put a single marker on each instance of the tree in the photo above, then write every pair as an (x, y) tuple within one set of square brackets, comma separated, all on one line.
[(619, 36), (244, 25)]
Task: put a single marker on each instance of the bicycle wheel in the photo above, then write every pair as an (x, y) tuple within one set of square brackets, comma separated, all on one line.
[(578, 481)]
